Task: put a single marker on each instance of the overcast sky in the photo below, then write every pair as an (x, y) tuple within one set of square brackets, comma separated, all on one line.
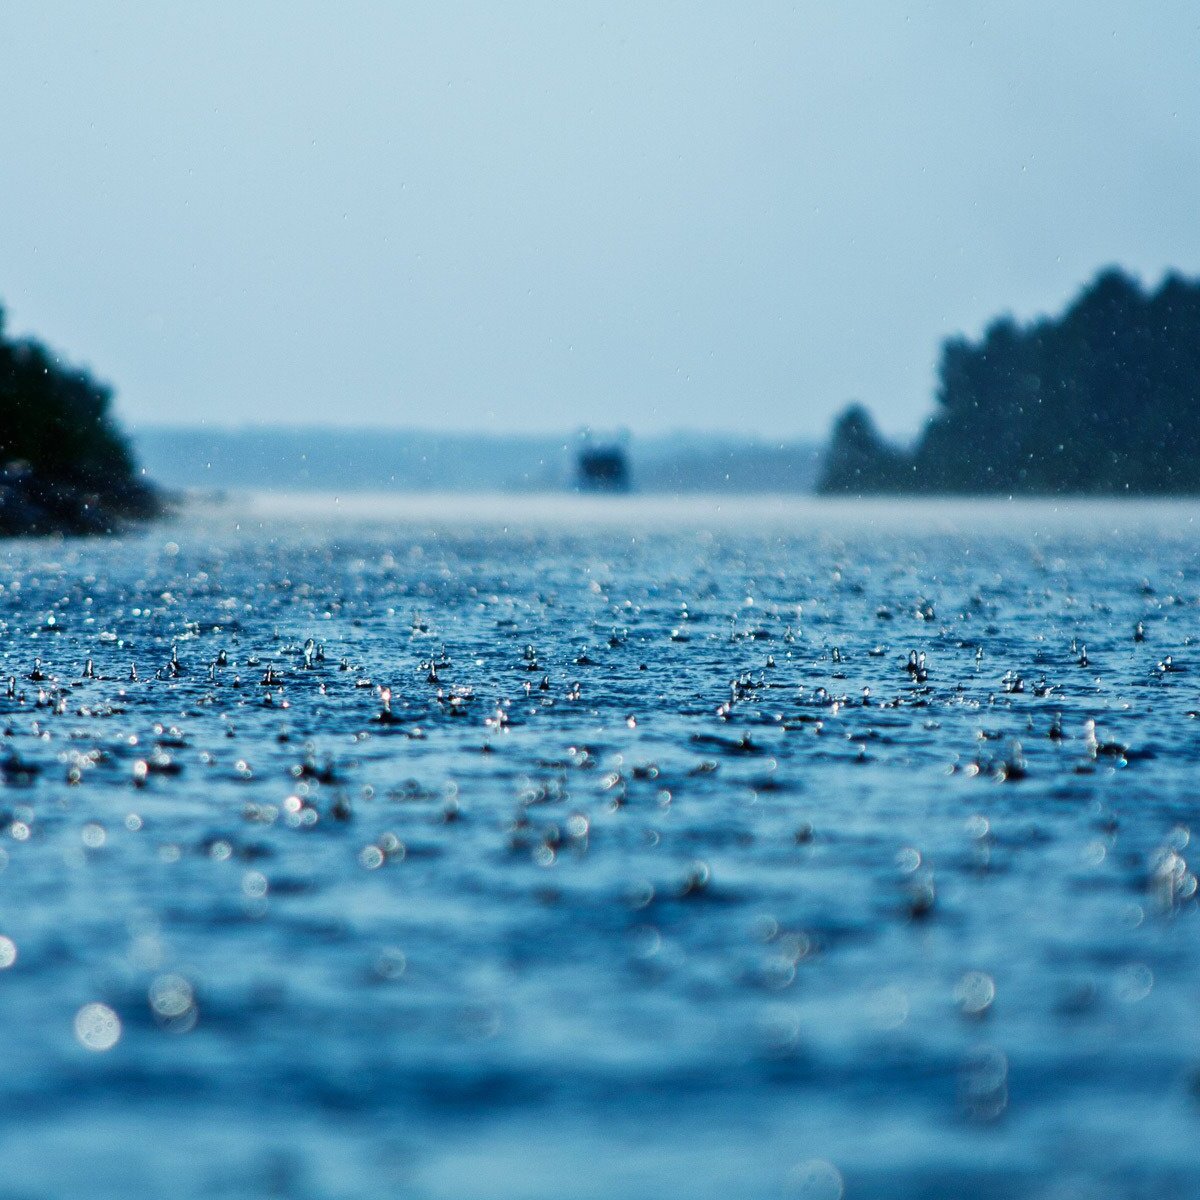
[(533, 216)]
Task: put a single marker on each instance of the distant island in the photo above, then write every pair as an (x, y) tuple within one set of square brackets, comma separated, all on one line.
[(1102, 400), (64, 465)]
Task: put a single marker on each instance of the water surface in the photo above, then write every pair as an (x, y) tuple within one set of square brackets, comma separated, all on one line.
[(669, 871)]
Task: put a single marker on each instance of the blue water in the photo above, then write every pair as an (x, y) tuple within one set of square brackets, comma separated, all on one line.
[(689, 920)]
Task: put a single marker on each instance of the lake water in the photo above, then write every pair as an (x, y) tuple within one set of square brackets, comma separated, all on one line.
[(667, 873)]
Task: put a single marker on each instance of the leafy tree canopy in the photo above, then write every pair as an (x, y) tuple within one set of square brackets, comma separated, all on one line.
[(64, 465), (1103, 399)]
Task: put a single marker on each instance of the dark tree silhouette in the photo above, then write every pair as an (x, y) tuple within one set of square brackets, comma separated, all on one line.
[(859, 460), (1102, 400), (64, 466)]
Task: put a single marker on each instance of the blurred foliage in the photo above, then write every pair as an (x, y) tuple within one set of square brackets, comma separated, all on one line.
[(64, 465), (1102, 400)]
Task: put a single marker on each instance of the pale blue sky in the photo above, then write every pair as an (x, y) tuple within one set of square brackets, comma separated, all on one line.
[(530, 216)]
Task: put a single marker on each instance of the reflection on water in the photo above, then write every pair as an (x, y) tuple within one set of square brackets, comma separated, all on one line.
[(728, 848)]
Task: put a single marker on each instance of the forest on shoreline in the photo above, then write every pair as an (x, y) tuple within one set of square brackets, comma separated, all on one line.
[(65, 466), (1102, 400)]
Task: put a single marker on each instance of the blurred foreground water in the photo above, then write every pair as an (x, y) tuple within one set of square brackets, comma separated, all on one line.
[(704, 849)]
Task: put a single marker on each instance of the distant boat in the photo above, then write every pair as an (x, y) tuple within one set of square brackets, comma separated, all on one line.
[(602, 467)]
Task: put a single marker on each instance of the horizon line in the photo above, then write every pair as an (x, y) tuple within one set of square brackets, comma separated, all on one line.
[(567, 435)]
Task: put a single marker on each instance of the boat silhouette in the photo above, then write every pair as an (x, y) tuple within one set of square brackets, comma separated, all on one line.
[(602, 466)]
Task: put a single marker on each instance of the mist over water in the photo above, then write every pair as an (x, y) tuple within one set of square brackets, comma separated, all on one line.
[(569, 847)]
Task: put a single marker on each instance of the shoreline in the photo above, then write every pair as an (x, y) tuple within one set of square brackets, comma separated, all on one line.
[(33, 507)]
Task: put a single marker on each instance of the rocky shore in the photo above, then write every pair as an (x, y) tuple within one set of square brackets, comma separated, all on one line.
[(32, 505)]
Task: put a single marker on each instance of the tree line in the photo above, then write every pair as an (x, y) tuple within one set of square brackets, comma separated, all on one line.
[(64, 464), (1103, 399)]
